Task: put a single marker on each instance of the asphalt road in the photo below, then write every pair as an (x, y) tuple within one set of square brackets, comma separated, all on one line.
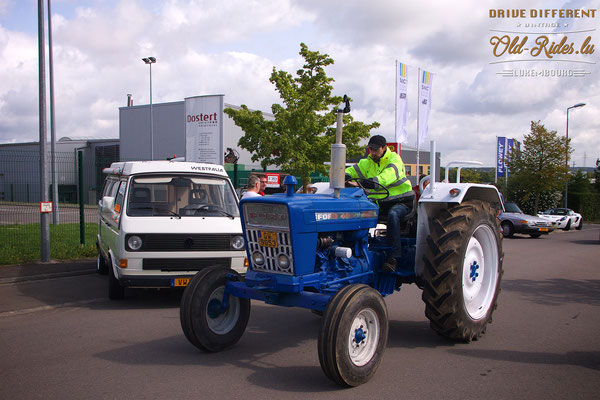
[(61, 339)]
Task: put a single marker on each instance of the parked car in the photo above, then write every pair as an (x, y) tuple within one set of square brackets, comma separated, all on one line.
[(514, 220), (563, 218), (160, 222)]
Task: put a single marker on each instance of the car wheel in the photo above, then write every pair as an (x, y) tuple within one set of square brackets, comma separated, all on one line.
[(580, 226), (568, 227), (507, 229), (101, 266), (115, 290)]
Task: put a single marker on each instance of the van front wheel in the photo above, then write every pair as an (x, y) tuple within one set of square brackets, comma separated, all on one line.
[(115, 290)]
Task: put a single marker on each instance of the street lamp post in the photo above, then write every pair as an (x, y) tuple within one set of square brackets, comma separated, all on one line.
[(567, 150), (150, 61)]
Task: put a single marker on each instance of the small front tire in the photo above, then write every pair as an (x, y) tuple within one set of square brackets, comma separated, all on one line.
[(204, 322), (353, 335)]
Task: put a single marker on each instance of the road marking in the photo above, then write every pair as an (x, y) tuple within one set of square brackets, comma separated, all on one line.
[(79, 303)]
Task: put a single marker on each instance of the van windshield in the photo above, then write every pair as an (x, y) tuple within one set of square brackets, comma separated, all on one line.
[(181, 196)]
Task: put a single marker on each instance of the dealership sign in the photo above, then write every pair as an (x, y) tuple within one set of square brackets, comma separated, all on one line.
[(204, 129)]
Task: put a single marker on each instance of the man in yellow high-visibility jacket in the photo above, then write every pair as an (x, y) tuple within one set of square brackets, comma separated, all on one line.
[(384, 167)]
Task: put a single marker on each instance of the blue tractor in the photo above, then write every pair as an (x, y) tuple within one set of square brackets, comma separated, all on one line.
[(325, 253)]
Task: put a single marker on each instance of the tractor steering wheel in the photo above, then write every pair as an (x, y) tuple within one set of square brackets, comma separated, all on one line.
[(379, 188)]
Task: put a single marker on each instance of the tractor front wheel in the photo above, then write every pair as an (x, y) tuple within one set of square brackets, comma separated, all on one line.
[(206, 322), (462, 270), (353, 335)]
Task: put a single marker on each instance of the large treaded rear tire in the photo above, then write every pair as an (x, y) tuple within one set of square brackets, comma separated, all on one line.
[(353, 335), (462, 270), (204, 324)]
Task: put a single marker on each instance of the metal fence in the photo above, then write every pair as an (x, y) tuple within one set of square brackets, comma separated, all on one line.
[(74, 219)]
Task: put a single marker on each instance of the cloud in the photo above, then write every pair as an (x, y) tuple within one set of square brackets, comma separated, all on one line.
[(207, 47)]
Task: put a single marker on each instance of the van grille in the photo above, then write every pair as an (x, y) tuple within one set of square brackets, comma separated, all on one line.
[(184, 264), (284, 246), (185, 242)]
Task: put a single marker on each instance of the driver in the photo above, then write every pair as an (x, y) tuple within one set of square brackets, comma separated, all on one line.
[(384, 169)]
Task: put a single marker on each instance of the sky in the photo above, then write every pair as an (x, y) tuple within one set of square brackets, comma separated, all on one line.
[(231, 46)]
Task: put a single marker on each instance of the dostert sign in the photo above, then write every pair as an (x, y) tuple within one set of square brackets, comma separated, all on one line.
[(204, 129)]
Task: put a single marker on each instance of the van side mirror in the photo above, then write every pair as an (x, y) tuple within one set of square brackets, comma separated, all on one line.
[(108, 204)]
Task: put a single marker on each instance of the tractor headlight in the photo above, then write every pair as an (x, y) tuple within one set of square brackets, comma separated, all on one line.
[(237, 242), (258, 258), (283, 261), (134, 242)]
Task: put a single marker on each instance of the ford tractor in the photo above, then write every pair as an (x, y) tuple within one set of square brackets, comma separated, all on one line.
[(325, 252)]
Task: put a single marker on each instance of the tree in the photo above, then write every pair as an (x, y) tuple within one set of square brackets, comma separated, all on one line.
[(579, 183), (538, 170), (299, 138)]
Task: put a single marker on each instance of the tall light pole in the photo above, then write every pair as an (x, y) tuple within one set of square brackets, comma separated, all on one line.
[(567, 150), (150, 61)]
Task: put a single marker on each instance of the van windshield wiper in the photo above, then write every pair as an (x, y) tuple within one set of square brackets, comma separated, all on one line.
[(173, 213)]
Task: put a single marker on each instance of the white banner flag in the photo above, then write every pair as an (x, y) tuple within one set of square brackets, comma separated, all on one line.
[(204, 129), (426, 79), (401, 103)]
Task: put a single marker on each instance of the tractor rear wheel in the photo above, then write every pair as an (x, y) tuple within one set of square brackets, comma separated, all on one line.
[(206, 323), (353, 335), (462, 270)]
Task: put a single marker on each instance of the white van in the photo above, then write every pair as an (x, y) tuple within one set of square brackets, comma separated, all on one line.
[(162, 221)]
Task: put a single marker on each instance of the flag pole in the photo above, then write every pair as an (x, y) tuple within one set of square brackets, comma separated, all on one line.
[(496, 158), (418, 109), (396, 104)]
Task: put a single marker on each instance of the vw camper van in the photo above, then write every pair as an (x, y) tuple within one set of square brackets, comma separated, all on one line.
[(160, 222)]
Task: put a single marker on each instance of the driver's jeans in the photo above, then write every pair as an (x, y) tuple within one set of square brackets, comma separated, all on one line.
[(395, 215)]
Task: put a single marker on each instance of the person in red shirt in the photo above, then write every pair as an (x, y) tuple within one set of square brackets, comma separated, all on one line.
[(263, 185)]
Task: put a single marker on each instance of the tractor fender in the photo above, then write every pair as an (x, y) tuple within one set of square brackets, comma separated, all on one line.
[(438, 196)]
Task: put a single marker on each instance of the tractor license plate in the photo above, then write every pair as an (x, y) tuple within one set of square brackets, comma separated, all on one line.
[(543, 229), (179, 282), (268, 239)]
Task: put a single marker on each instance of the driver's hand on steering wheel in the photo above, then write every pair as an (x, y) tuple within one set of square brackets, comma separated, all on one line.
[(367, 184)]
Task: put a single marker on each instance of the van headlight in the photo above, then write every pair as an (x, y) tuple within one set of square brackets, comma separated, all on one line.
[(134, 242), (237, 242)]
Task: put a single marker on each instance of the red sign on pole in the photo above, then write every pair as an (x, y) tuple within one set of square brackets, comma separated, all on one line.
[(45, 206), (272, 180), (395, 147)]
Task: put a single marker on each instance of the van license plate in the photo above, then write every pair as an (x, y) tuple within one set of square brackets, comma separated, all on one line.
[(179, 282), (268, 239)]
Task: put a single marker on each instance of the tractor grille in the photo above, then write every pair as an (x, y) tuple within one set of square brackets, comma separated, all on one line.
[(270, 254), (184, 264)]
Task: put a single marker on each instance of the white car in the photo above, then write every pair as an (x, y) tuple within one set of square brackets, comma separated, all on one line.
[(160, 222), (563, 218)]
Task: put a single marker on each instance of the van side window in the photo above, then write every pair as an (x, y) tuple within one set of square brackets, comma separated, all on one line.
[(108, 187), (120, 199), (113, 189)]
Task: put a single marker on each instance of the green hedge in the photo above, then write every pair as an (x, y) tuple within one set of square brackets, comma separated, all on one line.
[(587, 204)]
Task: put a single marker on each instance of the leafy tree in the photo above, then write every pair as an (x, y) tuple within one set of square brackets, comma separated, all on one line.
[(579, 183), (298, 139), (538, 170)]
